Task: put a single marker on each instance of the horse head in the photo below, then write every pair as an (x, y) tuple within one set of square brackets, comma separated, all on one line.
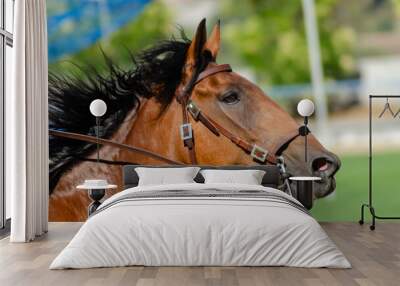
[(245, 110)]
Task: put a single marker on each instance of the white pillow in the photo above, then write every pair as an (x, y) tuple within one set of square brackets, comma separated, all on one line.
[(247, 177), (165, 176)]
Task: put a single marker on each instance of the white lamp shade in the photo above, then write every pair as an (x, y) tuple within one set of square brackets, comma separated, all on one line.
[(305, 107), (98, 107)]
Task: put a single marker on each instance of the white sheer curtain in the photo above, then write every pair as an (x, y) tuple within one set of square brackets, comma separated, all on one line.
[(27, 124)]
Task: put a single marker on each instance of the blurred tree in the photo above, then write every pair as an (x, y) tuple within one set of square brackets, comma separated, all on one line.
[(396, 4), (152, 25), (269, 37)]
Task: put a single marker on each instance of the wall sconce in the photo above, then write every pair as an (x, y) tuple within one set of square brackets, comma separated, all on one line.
[(305, 108), (98, 108)]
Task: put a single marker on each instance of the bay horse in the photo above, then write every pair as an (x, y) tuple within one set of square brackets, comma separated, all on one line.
[(144, 111)]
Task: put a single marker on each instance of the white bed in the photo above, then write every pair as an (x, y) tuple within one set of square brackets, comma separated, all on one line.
[(270, 229)]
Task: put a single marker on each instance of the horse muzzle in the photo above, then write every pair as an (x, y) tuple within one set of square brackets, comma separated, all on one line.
[(325, 167), (320, 164)]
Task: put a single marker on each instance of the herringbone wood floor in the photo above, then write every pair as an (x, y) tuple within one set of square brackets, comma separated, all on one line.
[(375, 257)]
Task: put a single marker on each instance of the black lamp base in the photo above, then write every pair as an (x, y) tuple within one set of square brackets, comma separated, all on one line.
[(304, 193), (96, 195)]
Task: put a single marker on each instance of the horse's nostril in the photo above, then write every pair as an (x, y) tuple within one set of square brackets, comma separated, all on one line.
[(320, 165), (326, 166)]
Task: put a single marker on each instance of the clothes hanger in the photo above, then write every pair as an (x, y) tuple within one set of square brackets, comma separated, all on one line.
[(397, 113), (387, 107)]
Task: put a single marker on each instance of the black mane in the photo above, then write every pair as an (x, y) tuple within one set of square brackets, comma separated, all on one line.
[(158, 68)]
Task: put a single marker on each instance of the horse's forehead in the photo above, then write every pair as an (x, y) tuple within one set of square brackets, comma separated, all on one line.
[(218, 83), (249, 88), (231, 79), (256, 98)]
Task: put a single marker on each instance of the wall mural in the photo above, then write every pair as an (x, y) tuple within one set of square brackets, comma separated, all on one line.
[(144, 110)]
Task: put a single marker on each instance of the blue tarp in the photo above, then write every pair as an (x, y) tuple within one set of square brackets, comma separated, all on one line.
[(74, 25)]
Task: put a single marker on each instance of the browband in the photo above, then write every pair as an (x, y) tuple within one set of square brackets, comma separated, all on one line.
[(213, 70)]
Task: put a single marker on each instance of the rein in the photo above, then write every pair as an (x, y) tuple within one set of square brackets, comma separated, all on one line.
[(92, 139), (187, 135)]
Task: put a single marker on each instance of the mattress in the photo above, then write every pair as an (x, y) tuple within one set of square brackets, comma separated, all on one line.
[(201, 225)]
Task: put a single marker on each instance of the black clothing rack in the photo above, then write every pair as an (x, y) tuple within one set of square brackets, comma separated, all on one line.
[(370, 202)]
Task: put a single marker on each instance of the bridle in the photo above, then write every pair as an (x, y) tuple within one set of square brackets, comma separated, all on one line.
[(257, 152)]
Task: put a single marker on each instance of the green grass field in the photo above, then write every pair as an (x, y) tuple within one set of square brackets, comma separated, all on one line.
[(352, 188)]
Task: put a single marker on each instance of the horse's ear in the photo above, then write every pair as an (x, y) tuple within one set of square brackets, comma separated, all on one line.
[(213, 43), (194, 52)]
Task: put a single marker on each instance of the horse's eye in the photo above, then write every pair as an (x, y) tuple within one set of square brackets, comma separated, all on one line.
[(231, 97)]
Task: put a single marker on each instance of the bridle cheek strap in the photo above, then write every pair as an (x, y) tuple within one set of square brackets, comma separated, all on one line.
[(186, 131)]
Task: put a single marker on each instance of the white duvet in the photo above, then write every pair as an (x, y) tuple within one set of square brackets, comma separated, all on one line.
[(200, 231)]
